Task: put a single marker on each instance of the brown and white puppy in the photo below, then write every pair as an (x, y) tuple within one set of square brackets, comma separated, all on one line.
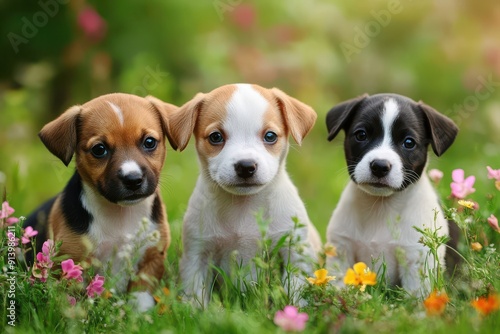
[(241, 133), (386, 142), (111, 209)]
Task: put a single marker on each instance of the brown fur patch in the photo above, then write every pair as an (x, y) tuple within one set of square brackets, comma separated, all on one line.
[(152, 266), (299, 117), (210, 119), (150, 270), (99, 124), (72, 244), (274, 121)]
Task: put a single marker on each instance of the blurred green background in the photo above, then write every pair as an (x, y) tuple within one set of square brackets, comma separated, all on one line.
[(57, 53)]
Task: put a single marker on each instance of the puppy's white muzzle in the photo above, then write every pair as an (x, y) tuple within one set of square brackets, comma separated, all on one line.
[(243, 172), (380, 172)]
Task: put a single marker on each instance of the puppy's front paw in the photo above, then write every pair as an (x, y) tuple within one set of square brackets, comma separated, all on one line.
[(142, 300)]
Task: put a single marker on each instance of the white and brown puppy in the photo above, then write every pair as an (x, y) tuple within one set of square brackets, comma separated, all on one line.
[(241, 133), (111, 209), (386, 142)]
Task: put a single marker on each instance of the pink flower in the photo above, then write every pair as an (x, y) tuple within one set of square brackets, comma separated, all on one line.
[(71, 300), (435, 175), (493, 173), (43, 262), (290, 319), (95, 286), (92, 24), (71, 270), (493, 221), (461, 187), (12, 239), (29, 232), (6, 211), (244, 16), (45, 256)]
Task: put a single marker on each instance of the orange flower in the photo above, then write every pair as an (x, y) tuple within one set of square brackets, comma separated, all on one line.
[(487, 305), (476, 246), (436, 303), (321, 277), (361, 275), (162, 308)]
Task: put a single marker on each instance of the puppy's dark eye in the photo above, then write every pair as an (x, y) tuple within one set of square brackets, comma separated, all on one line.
[(270, 137), (99, 151), (150, 144), (409, 143), (360, 135), (216, 138)]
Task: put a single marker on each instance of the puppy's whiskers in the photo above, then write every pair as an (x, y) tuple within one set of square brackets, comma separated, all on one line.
[(410, 176), (165, 183)]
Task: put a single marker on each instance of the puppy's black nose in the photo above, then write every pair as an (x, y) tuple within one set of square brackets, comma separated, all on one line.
[(132, 181), (380, 168), (245, 168)]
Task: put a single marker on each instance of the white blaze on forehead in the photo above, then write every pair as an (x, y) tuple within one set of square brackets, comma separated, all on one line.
[(117, 111), (391, 111), (245, 112), (384, 151), (129, 167)]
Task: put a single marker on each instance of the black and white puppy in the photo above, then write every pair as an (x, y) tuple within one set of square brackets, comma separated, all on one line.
[(386, 142)]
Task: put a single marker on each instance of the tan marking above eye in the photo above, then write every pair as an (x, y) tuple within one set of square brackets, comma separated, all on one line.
[(151, 133), (94, 141), (212, 127)]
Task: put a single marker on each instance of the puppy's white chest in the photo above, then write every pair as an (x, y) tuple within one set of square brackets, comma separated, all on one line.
[(120, 237), (367, 229), (226, 235)]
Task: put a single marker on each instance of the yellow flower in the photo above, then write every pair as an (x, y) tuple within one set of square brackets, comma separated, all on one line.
[(321, 277), (106, 294), (487, 305), (360, 274), (476, 246), (435, 304), (330, 250), (497, 184), (467, 204)]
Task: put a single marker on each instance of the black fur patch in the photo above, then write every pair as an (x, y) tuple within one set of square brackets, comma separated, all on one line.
[(77, 218), (410, 122), (367, 118), (157, 212)]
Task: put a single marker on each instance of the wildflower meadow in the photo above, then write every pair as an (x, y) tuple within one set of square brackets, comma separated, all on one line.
[(57, 54), (58, 295)]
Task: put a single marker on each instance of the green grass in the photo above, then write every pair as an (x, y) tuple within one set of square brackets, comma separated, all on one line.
[(43, 307), (32, 175)]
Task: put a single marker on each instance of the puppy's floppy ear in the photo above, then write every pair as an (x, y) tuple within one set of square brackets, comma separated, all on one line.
[(299, 117), (338, 116), (60, 135), (442, 129), (165, 110), (183, 120)]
